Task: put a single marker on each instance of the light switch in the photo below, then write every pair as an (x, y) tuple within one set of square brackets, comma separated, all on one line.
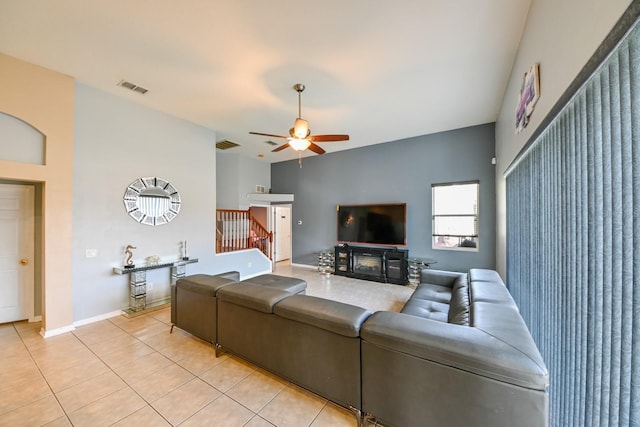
[(90, 253)]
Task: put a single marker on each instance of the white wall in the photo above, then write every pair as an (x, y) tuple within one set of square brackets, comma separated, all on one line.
[(116, 142), (561, 36), (227, 180), (237, 176)]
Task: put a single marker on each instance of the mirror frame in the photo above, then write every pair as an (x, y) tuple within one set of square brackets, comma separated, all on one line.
[(166, 201)]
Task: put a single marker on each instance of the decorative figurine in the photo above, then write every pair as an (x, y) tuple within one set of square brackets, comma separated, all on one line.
[(129, 254), (153, 260), (185, 256)]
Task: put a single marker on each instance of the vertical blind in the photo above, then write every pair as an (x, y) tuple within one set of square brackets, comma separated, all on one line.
[(573, 246)]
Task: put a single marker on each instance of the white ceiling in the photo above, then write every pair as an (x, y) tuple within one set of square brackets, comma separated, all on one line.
[(377, 70)]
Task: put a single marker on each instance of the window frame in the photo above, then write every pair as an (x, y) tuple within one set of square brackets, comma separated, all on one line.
[(476, 236)]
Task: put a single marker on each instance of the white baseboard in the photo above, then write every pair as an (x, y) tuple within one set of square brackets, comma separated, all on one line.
[(97, 318), (53, 332), (312, 267)]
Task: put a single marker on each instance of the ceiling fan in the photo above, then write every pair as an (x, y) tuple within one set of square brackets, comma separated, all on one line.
[(300, 137)]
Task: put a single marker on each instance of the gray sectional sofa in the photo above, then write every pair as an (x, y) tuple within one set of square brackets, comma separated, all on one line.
[(458, 354)]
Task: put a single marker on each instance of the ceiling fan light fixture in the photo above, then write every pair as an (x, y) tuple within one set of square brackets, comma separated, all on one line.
[(301, 128), (299, 144)]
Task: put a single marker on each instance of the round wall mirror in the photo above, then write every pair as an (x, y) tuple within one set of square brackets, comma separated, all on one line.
[(152, 201)]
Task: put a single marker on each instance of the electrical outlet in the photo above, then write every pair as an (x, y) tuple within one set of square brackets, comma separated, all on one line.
[(90, 253), (149, 286), (249, 264)]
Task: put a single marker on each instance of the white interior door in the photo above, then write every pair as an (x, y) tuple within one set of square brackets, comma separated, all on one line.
[(282, 232), (16, 252)]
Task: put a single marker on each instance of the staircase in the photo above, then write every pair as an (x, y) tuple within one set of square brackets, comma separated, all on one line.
[(238, 230)]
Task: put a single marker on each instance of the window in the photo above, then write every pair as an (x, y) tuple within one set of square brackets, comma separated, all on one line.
[(455, 215)]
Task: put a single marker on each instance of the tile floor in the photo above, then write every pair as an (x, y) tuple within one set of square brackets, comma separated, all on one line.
[(132, 372)]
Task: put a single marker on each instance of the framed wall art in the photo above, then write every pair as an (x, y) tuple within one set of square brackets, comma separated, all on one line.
[(529, 94)]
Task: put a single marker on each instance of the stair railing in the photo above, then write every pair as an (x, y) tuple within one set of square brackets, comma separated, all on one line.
[(237, 230)]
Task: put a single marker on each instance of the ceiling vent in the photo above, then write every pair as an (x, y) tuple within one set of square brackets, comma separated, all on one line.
[(226, 144), (133, 87), (269, 142)]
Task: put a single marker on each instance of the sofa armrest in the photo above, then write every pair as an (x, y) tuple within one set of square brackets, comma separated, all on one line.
[(462, 347)]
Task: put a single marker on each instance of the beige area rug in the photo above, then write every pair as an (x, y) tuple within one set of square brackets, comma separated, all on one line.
[(373, 296)]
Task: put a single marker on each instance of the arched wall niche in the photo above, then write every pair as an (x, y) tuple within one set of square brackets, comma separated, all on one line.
[(20, 141)]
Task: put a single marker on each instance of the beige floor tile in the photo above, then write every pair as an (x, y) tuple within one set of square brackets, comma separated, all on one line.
[(59, 422), (222, 412), (37, 413), (227, 374), (13, 347), (126, 354), (258, 421), (201, 360), (335, 416), (99, 332), (162, 382), (59, 359), (163, 315), (112, 344), (60, 380), (293, 406), (186, 400), (141, 326), (142, 367), (13, 368), (23, 392), (89, 391), (108, 410), (176, 346), (55, 345), (144, 417), (256, 390)]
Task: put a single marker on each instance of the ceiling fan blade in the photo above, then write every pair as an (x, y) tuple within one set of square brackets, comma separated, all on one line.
[(280, 148), (316, 148), (328, 138), (268, 134)]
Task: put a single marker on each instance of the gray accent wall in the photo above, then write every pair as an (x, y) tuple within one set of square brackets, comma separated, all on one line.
[(395, 172)]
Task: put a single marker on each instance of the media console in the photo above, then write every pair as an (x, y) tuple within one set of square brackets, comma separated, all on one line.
[(380, 264)]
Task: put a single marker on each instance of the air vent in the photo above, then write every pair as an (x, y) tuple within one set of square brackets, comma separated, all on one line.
[(271, 143), (226, 144), (132, 86)]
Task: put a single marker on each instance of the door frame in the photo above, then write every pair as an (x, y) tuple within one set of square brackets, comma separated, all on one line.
[(272, 214), (28, 195)]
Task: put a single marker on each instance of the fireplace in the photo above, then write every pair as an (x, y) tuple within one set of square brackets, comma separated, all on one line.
[(380, 264), (367, 264)]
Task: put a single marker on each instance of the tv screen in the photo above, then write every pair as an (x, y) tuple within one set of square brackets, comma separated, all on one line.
[(382, 224)]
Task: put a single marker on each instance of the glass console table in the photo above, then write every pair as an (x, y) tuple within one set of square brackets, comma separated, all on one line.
[(138, 281), (415, 266)]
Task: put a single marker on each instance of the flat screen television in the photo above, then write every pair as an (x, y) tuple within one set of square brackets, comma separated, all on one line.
[(380, 224)]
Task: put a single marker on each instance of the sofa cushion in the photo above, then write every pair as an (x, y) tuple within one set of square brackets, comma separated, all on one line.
[(284, 283), (432, 292), (206, 284), (484, 275), (426, 309), (491, 292), (339, 318), (256, 297)]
